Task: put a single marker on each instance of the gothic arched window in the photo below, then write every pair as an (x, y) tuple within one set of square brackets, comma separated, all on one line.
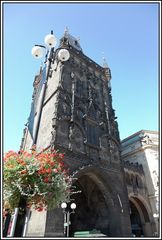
[(92, 134), (79, 88)]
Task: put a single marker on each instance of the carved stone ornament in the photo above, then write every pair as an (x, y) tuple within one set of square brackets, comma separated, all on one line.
[(77, 139), (114, 149), (63, 133)]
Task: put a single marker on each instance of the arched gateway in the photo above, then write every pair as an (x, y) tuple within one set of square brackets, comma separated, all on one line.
[(94, 204), (141, 218), (101, 206), (77, 118)]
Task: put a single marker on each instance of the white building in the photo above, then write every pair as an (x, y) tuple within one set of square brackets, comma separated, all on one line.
[(143, 148)]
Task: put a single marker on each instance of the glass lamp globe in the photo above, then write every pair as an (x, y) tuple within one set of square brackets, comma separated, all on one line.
[(64, 205), (50, 40), (37, 52), (73, 206), (155, 215), (63, 55)]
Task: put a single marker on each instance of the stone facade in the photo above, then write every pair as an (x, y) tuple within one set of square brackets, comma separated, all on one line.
[(141, 165), (77, 118)]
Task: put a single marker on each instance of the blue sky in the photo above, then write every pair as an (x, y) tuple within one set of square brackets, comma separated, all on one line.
[(126, 33)]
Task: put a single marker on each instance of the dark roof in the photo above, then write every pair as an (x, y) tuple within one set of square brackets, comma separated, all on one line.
[(72, 41)]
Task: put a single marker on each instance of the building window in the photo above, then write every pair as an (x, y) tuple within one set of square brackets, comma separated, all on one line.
[(79, 87), (92, 134)]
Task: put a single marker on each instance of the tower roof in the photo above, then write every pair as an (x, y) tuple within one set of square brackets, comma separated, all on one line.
[(69, 40)]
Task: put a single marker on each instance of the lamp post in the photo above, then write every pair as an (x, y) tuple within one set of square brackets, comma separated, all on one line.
[(61, 55), (68, 209), (156, 217)]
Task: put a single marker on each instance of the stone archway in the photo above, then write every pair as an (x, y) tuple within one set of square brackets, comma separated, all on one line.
[(92, 211), (136, 224), (139, 216)]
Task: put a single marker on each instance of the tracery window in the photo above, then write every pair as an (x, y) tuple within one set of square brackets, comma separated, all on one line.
[(92, 134)]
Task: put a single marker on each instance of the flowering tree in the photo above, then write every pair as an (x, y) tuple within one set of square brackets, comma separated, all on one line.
[(41, 179)]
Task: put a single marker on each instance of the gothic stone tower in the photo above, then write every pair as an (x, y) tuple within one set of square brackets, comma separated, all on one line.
[(78, 119)]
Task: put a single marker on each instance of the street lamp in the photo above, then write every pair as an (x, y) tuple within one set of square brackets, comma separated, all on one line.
[(61, 55), (156, 217), (67, 210), (50, 42)]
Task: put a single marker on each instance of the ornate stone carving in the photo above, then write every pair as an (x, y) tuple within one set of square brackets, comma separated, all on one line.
[(93, 153), (79, 117), (114, 149), (114, 129), (104, 150), (63, 133), (80, 87), (64, 111), (92, 111), (134, 167), (66, 81), (76, 139), (104, 142)]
